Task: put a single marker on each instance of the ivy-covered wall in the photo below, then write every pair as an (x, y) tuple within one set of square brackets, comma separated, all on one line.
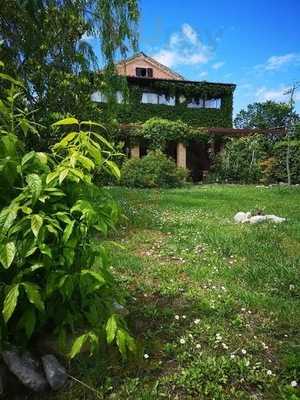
[(134, 111)]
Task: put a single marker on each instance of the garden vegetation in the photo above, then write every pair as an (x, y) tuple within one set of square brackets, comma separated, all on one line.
[(54, 270)]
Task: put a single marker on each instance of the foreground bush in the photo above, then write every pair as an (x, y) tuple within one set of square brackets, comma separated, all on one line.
[(153, 170), (54, 273)]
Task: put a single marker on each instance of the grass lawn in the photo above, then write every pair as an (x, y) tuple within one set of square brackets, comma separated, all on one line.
[(215, 305)]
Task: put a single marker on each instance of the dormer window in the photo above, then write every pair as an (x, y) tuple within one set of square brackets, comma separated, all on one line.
[(144, 72)]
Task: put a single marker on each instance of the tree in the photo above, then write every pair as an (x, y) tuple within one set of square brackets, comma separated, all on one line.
[(43, 44), (265, 115), (291, 127)]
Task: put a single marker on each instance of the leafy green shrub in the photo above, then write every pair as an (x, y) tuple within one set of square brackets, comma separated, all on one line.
[(153, 170), (278, 172), (240, 160), (54, 272)]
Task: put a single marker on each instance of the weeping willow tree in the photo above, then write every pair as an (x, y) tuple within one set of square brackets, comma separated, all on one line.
[(48, 45)]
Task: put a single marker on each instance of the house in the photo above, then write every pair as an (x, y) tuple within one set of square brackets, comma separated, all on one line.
[(157, 91)]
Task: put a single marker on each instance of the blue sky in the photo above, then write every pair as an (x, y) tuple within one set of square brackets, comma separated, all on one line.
[(255, 44)]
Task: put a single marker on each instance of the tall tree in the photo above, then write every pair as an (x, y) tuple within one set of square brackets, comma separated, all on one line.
[(290, 127), (265, 115), (43, 43)]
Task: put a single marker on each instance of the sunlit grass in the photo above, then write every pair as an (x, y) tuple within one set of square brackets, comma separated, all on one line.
[(214, 305)]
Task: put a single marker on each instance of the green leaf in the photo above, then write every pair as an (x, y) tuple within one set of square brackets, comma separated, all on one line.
[(31, 251), (28, 156), (77, 345), (103, 140), (7, 254), (66, 121), (33, 295), (28, 321), (65, 141), (111, 329), (63, 175), (94, 274), (51, 176), (10, 79), (68, 231), (10, 302), (36, 224), (114, 168), (121, 341), (26, 210), (8, 215), (42, 157), (34, 182), (91, 123), (45, 250)]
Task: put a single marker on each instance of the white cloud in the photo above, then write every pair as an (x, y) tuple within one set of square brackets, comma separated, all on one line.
[(218, 65), (184, 48), (264, 94), (275, 63), (190, 33), (203, 74)]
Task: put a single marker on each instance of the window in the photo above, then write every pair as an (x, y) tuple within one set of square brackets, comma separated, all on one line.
[(213, 103), (144, 72), (150, 72), (196, 103), (99, 97), (149, 98), (154, 98), (168, 101), (119, 97)]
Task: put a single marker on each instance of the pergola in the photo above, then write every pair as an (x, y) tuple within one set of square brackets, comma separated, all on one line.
[(228, 132)]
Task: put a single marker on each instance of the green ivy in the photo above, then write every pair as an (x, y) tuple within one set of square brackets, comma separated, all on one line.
[(134, 111), (156, 132)]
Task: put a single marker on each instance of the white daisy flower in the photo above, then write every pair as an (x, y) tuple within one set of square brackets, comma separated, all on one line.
[(198, 346), (269, 372), (177, 317), (294, 383), (146, 356), (182, 341), (244, 351)]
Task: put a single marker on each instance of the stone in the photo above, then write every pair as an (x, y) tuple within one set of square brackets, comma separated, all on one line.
[(275, 219), (55, 373), (241, 217), (24, 368), (256, 219)]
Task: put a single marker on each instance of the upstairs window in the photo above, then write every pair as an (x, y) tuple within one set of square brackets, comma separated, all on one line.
[(196, 103), (149, 98), (154, 98), (99, 97), (144, 72), (200, 103), (213, 103), (168, 101)]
